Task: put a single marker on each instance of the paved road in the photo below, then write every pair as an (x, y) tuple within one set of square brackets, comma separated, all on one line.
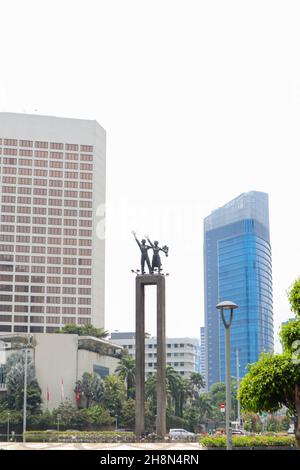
[(90, 446)]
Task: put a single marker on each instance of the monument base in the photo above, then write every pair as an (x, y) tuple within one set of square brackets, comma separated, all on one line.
[(157, 280)]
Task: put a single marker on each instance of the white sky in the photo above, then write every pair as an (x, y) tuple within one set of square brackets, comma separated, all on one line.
[(201, 102)]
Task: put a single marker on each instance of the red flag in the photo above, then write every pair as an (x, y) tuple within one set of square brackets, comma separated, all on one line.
[(48, 393), (77, 394)]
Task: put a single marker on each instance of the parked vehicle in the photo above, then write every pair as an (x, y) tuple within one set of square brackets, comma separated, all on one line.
[(178, 433), (291, 429), (239, 432)]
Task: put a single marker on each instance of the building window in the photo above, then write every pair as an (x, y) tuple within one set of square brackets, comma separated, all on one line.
[(72, 147), (25, 143), (86, 148), (41, 145), (56, 145)]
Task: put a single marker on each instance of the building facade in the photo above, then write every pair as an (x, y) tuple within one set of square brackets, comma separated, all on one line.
[(52, 182), (181, 353), (60, 360), (202, 354), (238, 267)]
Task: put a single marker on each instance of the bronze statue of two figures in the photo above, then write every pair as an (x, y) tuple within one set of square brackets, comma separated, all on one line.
[(155, 266)]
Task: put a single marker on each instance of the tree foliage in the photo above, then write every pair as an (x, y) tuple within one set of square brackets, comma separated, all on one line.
[(90, 388), (84, 330), (114, 394), (274, 381), (126, 371), (294, 297), (15, 371), (270, 384)]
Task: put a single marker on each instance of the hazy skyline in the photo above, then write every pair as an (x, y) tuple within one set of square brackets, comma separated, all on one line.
[(200, 101)]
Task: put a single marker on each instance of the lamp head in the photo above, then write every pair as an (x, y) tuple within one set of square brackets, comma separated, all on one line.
[(226, 305)]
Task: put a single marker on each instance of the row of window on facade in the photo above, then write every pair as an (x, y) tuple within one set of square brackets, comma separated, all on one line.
[(28, 158), (49, 250), (174, 364), (11, 162), (50, 211), (169, 345), (45, 145), (39, 329), (46, 173), (41, 309), (50, 280), (37, 319), (34, 299), (50, 240), (40, 182)]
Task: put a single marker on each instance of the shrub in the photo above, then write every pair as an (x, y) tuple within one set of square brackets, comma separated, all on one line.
[(79, 436), (249, 441)]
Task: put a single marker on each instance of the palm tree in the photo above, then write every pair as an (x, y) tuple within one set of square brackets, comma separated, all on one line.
[(186, 393), (204, 405), (197, 382), (173, 383), (126, 371)]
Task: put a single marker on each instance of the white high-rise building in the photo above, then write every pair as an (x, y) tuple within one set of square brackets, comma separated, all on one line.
[(180, 352), (202, 353), (52, 181)]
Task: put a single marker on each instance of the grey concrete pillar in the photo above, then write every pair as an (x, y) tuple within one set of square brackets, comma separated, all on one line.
[(161, 359), (140, 357), (159, 281)]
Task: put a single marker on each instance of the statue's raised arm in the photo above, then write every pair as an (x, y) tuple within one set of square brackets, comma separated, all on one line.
[(144, 253), (151, 244), (136, 239)]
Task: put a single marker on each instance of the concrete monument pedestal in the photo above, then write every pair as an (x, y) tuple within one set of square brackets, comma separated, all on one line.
[(157, 280)]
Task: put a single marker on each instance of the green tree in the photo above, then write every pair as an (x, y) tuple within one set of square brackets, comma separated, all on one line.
[(15, 370), (294, 297), (218, 395), (178, 391), (114, 395), (251, 422), (126, 370), (96, 416), (67, 412), (191, 418), (204, 406), (273, 382), (90, 388), (128, 414), (175, 390), (197, 383), (84, 330)]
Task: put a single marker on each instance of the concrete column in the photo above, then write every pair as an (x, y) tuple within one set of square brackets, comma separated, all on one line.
[(140, 357), (161, 359), (159, 281)]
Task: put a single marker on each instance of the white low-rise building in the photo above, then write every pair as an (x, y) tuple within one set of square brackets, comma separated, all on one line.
[(180, 352), (60, 360)]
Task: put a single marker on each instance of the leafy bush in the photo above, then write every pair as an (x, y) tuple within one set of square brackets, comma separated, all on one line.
[(249, 441), (79, 436)]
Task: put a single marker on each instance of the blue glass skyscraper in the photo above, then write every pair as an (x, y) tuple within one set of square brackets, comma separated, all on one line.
[(238, 267)]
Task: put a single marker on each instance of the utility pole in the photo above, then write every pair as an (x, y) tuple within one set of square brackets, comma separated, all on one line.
[(25, 394), (238, 384)]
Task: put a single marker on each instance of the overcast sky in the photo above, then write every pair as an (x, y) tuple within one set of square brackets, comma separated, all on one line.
[(200, 101)]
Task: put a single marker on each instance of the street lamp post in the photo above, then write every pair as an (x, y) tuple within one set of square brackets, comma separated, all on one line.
[(238, 384), (25, 395), (8, 416), (28, 345), (58, 417), (116, 422), (227, 305)]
